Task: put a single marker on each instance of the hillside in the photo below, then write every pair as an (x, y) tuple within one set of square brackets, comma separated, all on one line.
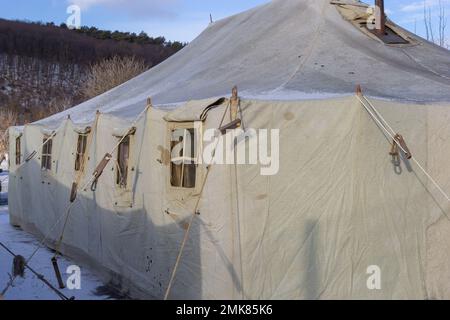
[(43, 67)]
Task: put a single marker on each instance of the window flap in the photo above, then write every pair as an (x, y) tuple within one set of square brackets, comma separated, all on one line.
[(194, 110), (47, 132), (82, 130), (121, 132)]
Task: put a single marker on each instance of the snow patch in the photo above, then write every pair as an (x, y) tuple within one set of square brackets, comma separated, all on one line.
[(30, 287)]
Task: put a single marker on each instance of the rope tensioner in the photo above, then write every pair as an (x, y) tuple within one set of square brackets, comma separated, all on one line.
[(384, 126), (99, 170), (399, 140), (34, 153), (102, 165), (31, 156)]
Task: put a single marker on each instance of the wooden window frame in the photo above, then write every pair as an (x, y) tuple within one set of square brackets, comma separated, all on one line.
[(186, 127), (18, 150), (122, 173), (81, 151), (46, 155)]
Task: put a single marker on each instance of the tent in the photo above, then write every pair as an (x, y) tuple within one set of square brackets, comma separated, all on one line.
[(339, 212)]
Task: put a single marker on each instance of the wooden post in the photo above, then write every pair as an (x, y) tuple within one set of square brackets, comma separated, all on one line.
[(380, 18), (234, 104), (358, 90), (149, 102)]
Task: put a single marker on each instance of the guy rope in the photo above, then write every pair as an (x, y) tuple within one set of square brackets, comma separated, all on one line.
[(396, 138), (197, 203)]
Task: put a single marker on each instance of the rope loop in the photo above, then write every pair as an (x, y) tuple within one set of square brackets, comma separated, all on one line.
[(94, 185)]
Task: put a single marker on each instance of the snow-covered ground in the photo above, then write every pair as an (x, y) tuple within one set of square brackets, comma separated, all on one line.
[(30, 287)]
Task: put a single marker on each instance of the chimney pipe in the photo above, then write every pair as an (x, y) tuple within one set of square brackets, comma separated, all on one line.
[(380, 18)]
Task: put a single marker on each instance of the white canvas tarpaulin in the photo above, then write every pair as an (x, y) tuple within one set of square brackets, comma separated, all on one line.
[(285, 49), (336, 207)]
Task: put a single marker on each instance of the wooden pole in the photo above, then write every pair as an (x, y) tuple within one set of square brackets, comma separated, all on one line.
[(381, 18), (234, 103)]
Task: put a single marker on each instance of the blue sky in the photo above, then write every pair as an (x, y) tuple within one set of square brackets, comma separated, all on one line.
[(177, 19)]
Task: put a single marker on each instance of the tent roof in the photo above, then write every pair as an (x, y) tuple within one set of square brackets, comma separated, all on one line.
[(283, 50)]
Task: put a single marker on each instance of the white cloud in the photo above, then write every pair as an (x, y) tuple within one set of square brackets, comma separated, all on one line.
[(419, 5), (136, 8)]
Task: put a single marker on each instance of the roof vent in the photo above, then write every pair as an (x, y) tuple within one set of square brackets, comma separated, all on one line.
[(388, 36), (373, 22), (381, 30)]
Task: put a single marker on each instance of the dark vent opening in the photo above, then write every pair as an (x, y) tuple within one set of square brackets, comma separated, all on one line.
[(389, 37)]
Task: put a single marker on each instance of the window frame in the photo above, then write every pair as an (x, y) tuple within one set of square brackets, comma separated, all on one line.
[(18, 151), (171, 127), (46, 157), (118, 182), (81, 154)]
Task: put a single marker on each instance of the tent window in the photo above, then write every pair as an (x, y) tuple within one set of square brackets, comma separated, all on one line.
[(46, 163), (18, 151), (183, 168), (81, 150), (123, 154)]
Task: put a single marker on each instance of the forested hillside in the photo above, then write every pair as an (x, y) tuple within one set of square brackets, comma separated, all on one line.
[(44, 68)]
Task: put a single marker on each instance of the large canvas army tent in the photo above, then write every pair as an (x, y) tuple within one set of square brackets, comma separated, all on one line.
[(338, 206)]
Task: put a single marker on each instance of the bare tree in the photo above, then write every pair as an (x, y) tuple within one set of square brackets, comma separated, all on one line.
[(425, 20), (430, 28), (8, 118), (442, 25), (112, 72)]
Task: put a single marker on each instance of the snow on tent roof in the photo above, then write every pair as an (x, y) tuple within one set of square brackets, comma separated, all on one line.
[(283, 50)]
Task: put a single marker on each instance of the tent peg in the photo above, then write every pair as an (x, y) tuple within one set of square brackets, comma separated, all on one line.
[(73, 192), (57, 273)]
